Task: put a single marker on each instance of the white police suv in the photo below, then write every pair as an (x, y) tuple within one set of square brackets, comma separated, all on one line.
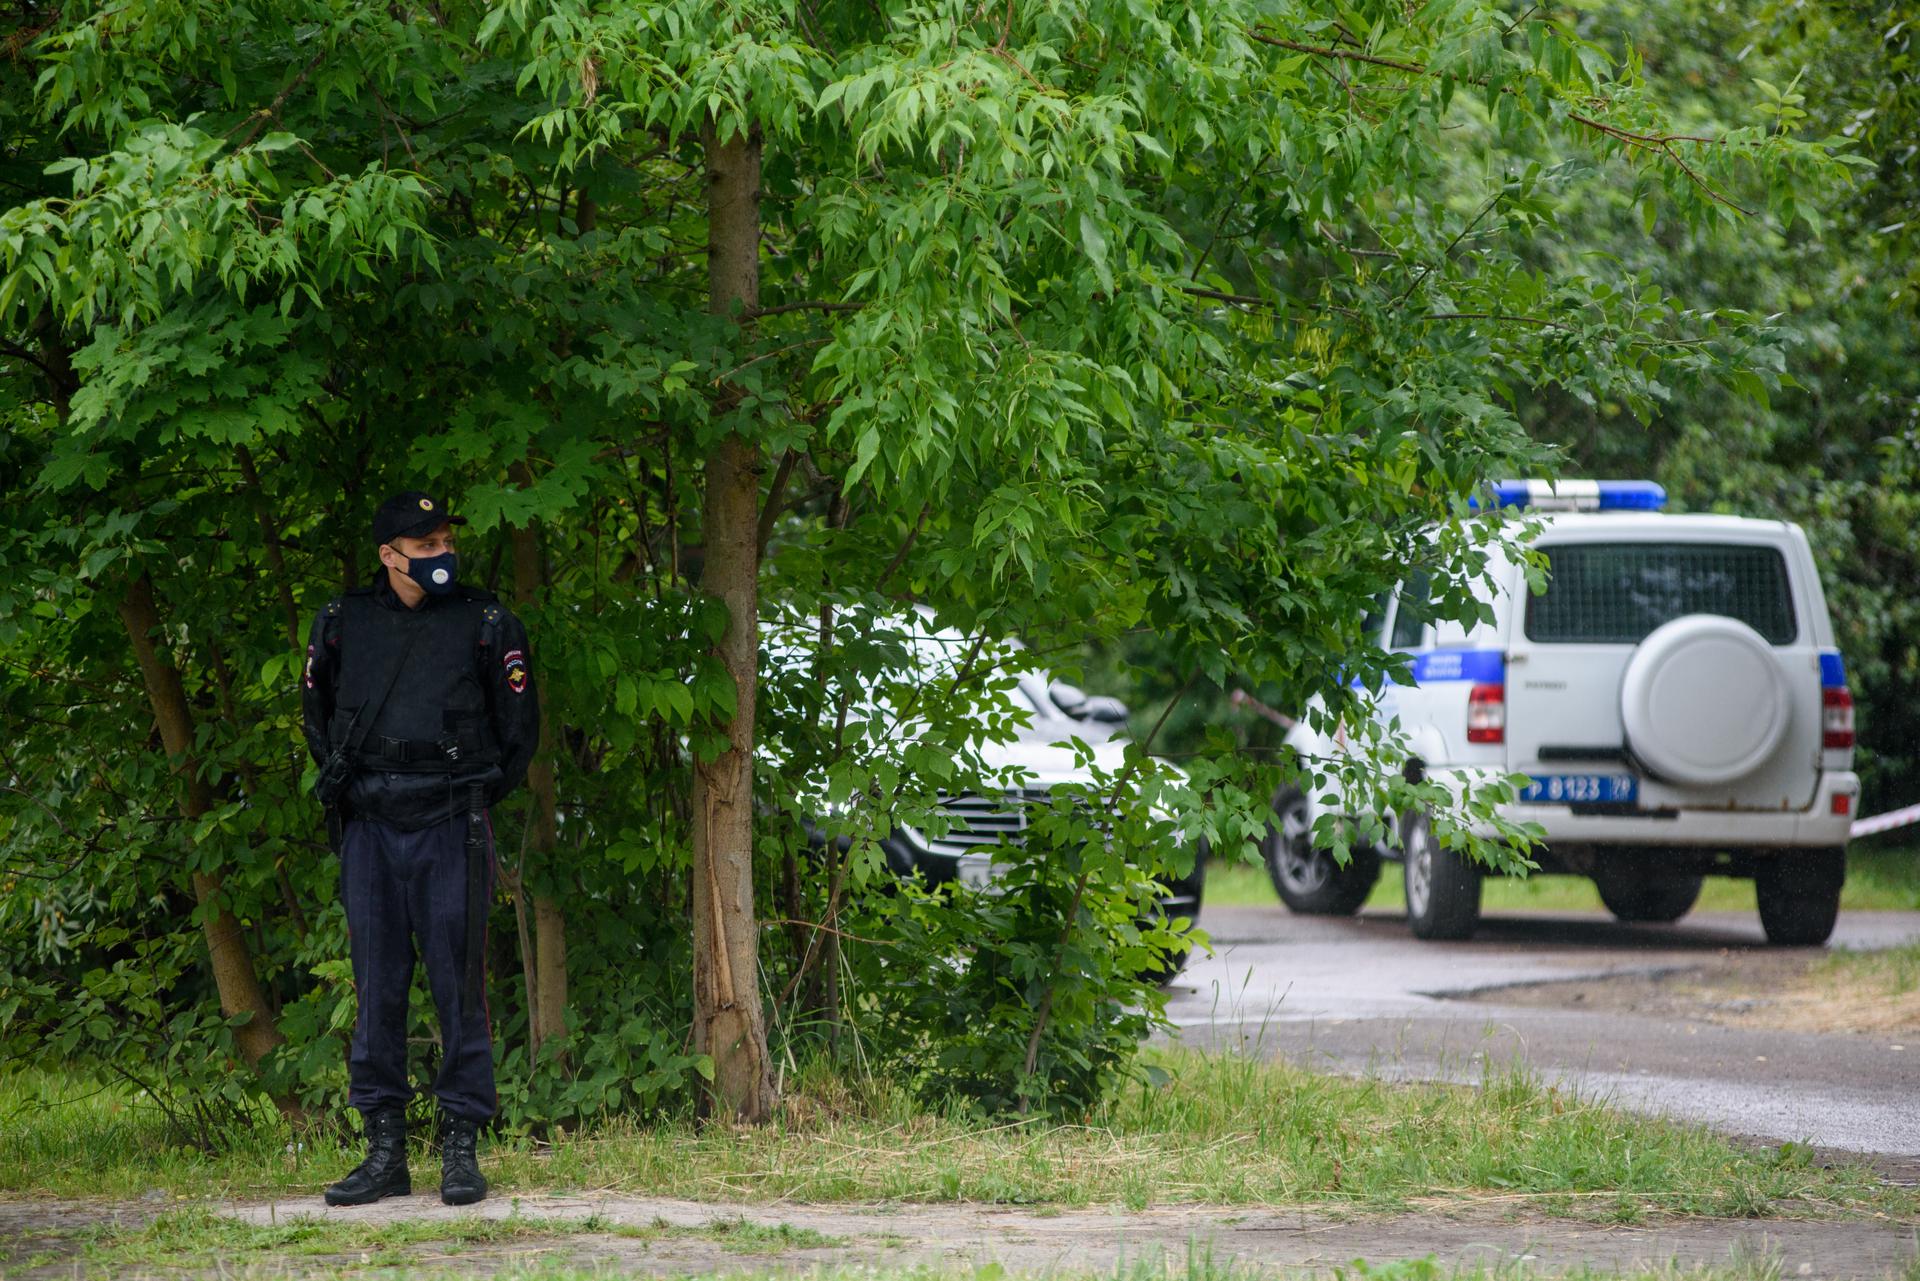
[(1674, 697)]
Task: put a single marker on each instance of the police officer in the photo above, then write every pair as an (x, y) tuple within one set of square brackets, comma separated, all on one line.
[(420, 710)]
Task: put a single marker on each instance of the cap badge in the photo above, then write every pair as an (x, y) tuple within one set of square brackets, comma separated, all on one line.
[(426, 504)]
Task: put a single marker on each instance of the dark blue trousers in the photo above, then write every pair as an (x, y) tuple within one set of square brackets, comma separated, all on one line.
[(404, 889)]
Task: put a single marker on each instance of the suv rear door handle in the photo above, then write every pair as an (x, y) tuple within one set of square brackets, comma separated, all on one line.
[(1581, 752)]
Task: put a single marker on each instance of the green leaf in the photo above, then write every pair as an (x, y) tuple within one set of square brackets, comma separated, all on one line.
[(1094, 241)]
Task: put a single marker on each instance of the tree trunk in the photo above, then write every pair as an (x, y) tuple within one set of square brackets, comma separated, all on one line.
[(233, 973), (250, 779), (548, 989), (728, 1022), (270, 539), (550, 967)]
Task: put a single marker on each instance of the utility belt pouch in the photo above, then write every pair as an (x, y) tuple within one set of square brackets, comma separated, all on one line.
[(335, 773)]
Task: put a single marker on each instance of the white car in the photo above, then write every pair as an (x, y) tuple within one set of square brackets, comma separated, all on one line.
[(1674, 698), (1037, 751)]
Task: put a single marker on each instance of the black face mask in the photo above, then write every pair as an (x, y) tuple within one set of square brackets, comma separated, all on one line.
[(435, 574)]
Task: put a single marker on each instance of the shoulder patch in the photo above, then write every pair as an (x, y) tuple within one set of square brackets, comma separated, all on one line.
[(333, 608)]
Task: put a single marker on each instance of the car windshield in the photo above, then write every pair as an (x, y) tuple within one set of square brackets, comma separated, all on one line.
[(944, 654), (934, 655)]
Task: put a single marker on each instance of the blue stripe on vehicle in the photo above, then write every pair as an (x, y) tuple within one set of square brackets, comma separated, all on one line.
[(1481, 666), (1833, 672)]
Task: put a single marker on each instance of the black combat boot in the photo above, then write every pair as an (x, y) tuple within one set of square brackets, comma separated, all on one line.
[(460, 1180), (384, 1172)]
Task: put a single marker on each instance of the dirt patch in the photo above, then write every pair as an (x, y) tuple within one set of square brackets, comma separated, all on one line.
[(1048, 1241), (1770, 989), (655, 1237), (40, 1237)]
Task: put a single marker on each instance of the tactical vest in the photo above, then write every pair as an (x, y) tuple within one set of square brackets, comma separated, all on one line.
[(435, 718)]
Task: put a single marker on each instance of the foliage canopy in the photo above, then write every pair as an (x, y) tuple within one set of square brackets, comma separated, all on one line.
[(1078, 322)]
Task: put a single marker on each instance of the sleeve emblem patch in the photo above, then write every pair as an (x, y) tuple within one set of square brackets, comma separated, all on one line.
[(515, 665)]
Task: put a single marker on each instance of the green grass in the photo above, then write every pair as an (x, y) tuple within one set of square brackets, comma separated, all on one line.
[(1891, 972), (1879, 878), (1225, 1130)]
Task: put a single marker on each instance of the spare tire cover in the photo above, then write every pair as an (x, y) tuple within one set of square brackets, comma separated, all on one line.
[(1704, 700)]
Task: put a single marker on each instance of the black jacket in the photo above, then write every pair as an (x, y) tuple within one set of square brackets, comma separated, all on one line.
[(466, 681)]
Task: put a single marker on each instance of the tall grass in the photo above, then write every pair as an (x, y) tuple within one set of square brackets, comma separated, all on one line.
[(1225, 1130)]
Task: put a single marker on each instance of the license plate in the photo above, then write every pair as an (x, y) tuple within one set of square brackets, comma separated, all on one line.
[(1579, 789)]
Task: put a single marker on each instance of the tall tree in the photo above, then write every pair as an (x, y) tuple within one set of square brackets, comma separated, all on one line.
[(728, 1022)]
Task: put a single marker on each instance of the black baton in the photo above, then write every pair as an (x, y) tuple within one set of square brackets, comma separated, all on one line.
[(476, 895)]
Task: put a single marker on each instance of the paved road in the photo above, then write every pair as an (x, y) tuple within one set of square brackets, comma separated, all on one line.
[(1362, 995)]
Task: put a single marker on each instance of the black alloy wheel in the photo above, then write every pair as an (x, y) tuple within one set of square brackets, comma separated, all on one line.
[(1183, 899), (1309, 880)]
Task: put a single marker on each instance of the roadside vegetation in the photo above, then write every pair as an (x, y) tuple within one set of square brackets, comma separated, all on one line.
[(1203, 1129), (1879, 878), (1893, 972), (1877, 991)]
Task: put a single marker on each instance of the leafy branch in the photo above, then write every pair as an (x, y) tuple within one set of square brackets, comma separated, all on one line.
[(1658, 143)]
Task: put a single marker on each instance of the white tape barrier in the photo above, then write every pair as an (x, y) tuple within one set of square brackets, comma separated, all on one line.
[(1888, 821)]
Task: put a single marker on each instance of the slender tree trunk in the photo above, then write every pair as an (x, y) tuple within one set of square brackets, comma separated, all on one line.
[(830, 947), (550, 967), (548, 989), (728, 1022), (250, 779), (515, 880), (233, 972), (270, 538)]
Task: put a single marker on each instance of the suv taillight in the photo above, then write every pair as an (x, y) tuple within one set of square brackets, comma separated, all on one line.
[(1487, 714), (1836, 717)]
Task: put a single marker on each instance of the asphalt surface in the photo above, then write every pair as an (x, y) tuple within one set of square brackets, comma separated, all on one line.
[(1362, 995)]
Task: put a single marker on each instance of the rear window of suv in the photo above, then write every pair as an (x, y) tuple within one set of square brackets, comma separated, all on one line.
[(1617, 593)]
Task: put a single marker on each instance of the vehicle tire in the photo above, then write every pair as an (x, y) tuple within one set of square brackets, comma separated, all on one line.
[(1443, 889), (1187, 893), (1799, 895), (1633, 891), (1309, 880)]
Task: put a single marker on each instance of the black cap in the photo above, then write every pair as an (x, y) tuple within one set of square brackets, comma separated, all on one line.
[(411, 514)]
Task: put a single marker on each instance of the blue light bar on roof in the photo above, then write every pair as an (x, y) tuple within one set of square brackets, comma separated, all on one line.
[(1581, 495)]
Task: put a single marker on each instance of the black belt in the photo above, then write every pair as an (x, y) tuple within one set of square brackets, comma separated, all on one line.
[(447, 755)]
